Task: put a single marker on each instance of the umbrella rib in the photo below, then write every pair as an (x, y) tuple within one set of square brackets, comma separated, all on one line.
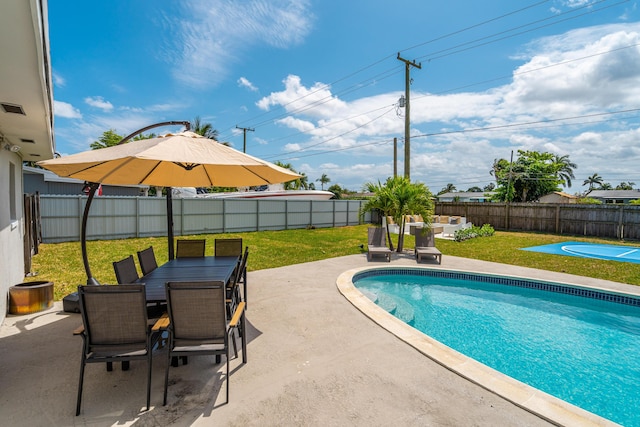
[(153, 169), (116, 169), (88, 168), (258, 175)]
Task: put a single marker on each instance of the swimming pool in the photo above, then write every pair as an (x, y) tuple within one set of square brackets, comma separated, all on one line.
[(578, 344)]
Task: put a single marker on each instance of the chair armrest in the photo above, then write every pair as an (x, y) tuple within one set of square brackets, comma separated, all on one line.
[(236, 315), (161, 323), (79, 330)]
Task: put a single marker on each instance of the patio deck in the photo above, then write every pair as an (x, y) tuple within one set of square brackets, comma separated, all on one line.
[(313, 359)]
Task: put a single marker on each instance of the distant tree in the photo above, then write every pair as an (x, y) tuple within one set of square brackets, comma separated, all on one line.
[(109, 138), (324, 179), (489, 187), (605, 186), (589, 201), (336, 190), (634, 202), (312, 186), (625, 186), (564, 169), (531, 176), (204, 129), (302, 182), (449, 188), (291, 185), (593, 181), (474, 189)]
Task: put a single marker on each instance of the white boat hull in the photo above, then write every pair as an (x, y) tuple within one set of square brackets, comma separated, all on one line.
[(273, 194)]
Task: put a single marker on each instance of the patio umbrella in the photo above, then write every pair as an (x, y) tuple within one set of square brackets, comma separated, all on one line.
[(183, 159)]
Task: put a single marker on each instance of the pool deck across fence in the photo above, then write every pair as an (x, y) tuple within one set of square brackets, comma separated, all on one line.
[(313, 359)]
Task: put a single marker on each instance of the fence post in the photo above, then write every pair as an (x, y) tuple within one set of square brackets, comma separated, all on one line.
[(557, 219), (507, 220), (621, 223)]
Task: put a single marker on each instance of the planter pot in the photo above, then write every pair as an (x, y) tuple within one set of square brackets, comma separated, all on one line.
[(30, 297)]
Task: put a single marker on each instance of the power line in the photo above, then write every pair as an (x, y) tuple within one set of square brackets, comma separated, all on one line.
[(326, 86), (389, 73)]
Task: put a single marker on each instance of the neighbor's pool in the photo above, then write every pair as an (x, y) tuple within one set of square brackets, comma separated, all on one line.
[(580, 345)]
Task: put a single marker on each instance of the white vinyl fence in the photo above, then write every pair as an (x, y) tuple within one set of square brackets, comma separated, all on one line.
[(113, 217)]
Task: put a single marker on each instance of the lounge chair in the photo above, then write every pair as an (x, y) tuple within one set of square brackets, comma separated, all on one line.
[(147, 259), (425, 245), (114, 329), (125, 270), (198, 323), (377, 244), (190, 248)]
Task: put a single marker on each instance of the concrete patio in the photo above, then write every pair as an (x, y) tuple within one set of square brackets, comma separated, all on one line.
[(313, 359)]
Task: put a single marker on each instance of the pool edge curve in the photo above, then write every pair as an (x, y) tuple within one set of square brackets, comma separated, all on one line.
[(535, 401)]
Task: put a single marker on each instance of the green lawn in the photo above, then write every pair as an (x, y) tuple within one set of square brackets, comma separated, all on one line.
[(62, 262)]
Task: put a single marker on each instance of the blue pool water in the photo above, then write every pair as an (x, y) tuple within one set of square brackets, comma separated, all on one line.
[(591, 250), (583, 350)]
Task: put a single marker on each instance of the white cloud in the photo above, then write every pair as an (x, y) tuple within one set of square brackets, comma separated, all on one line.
[(244, 82), (210, 37), (58, 80), (598, 72), (98, 102), (66, 110)]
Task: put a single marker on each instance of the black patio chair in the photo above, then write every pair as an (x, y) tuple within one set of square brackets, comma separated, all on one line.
[(147, 259), (114, 328), (125, 270), (228, 247), (198, 323), (190, 248)]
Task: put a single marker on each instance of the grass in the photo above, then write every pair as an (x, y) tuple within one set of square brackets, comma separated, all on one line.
[(62, 262)]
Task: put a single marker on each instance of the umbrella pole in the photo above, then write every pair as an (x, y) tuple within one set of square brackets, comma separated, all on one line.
[(170, 223), (93, 187)]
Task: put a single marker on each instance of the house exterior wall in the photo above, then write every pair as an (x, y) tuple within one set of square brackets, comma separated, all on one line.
[(11, 226), (556, 198)]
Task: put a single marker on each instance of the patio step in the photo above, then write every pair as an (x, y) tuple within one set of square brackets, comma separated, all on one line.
[(396, 306), (386, 302), (373, 296)]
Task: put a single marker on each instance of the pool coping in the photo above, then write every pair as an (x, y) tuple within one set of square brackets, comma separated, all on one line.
[(537, 402)]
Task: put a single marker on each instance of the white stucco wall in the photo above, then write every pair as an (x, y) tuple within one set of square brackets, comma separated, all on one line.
[(11, 230)]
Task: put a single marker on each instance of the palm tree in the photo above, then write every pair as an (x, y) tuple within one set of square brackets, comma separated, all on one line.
[(291, 185), (302, 182), (592, 181), (564, 169), (399, 197), (381, 201), (204, 129), (625, 185), (324, 179), (449, 188)]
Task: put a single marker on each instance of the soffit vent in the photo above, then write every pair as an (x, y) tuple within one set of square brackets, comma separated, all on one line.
[(12, 108), (27, 141)]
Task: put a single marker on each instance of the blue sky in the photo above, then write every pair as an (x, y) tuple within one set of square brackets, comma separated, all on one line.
[(319, 81)]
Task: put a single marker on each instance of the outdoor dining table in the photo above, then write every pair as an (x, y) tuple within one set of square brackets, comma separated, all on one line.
[(215, 268)]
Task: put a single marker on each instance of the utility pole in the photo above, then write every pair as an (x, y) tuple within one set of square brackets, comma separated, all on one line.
[(244, 131), (395, 157), (407, 118)]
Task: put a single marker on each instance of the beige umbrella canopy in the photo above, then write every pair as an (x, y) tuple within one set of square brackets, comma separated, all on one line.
[(183, 159)]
